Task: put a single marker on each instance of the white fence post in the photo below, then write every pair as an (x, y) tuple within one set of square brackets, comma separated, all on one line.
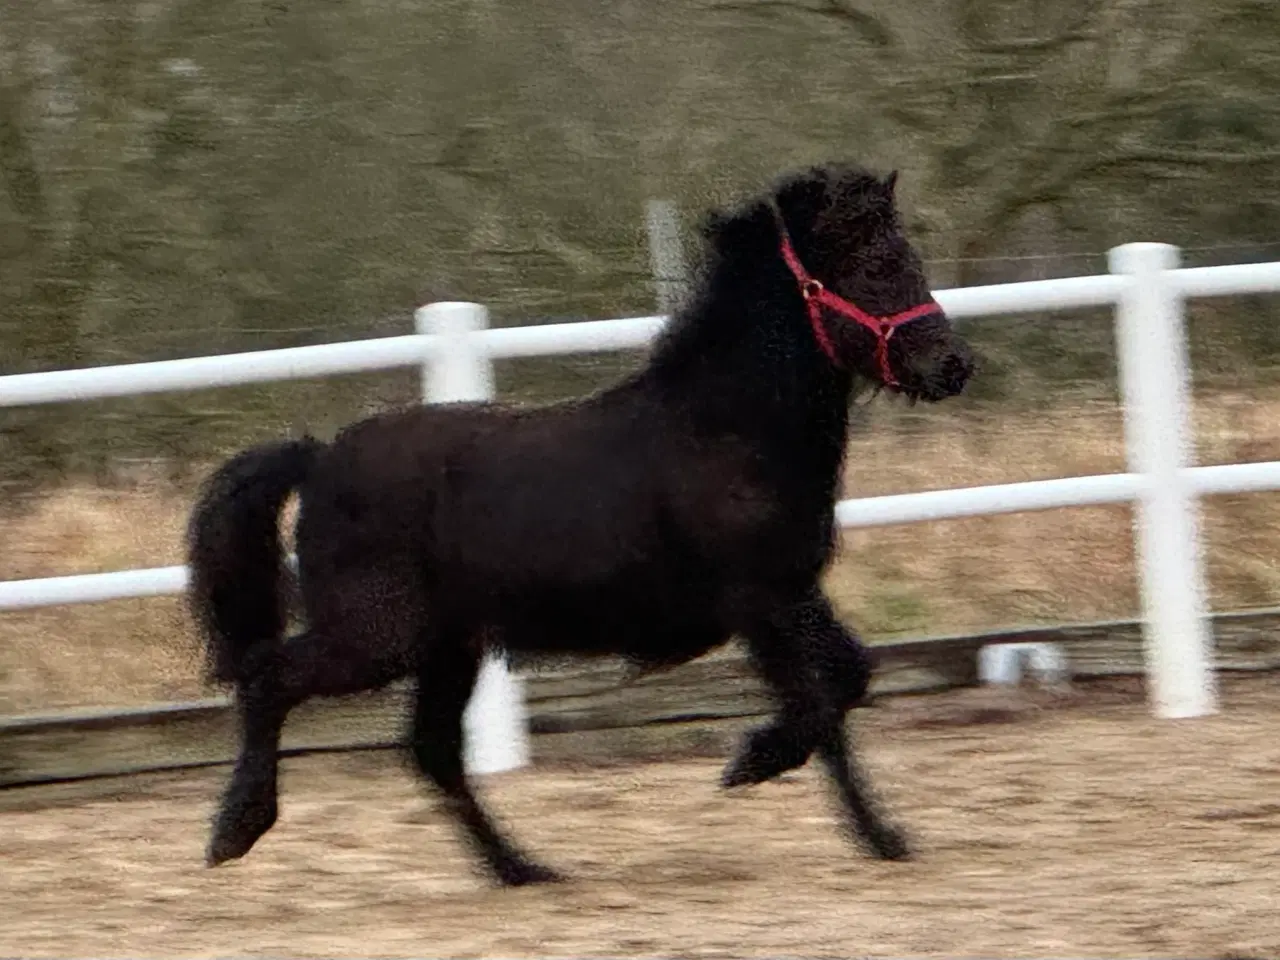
[(666, 255), (495, 735), (1152, 351)]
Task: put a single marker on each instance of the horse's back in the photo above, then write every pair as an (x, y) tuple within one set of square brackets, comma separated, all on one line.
[(569, 492), (569, 496)]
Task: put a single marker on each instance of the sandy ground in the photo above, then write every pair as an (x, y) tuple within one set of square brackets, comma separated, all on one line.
[(1092, 831)]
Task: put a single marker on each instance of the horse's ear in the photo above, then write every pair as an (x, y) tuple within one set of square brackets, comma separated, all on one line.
[(890, 183), (805, 196)]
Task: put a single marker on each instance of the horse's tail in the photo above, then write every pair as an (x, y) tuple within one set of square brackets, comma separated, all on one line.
[(234, 554)]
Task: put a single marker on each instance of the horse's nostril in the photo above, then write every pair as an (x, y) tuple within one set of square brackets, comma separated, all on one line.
[(957, 366), (956, 370)]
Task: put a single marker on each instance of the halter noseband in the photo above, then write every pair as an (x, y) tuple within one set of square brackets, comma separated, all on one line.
[(817, 296)]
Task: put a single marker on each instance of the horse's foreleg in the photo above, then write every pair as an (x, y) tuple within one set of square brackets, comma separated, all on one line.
[(445, 682), (844, 666), (787, 647), (769, 751)]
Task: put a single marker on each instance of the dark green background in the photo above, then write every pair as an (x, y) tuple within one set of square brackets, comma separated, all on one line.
[(184, 177)]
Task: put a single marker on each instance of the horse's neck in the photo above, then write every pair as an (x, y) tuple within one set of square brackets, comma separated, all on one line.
[(761, 380), (803, 439)]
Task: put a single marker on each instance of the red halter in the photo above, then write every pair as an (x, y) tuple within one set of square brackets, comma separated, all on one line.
[(816, 296)]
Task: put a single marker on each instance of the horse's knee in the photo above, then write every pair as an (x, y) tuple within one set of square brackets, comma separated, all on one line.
[(848, 666)]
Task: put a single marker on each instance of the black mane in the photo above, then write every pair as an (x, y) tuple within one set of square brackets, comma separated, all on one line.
[(745, 300)]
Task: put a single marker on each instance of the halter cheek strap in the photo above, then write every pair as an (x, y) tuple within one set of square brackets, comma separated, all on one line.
[(817, 297)]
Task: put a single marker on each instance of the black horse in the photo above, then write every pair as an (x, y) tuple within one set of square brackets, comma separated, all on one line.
[(656, 519)]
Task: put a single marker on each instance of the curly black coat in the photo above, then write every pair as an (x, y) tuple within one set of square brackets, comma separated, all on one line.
[(656, 519)]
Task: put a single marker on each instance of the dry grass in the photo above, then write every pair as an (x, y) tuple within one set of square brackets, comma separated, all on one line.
[(1053, 566), (943, 577), (126, 651)]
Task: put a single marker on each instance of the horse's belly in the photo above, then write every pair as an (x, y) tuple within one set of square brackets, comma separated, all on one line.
[(642, 621)]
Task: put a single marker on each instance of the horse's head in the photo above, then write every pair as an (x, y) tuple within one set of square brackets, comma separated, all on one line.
[(863, 284)]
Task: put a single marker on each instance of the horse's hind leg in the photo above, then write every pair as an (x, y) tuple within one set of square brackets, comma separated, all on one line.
[(306, 665), (249, 804), (445, 681)]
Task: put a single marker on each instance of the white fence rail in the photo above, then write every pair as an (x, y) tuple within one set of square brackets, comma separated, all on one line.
[(455, 348)]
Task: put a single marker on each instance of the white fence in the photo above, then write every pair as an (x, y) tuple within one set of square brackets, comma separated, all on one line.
[(456, 349)]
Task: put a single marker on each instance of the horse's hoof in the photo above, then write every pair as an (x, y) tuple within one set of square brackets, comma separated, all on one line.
[(753, 766), (239, 825), (888, 843), (521, 873), (230, 844), (750, 770), (739, 775), (765, 755), (220, 851)]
